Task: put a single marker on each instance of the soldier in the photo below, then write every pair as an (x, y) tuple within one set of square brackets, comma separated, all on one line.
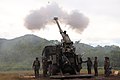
[(36, 67), (106, 66), (96, 66), (89, 65), (44, 66), (80, 63), (65, 36)]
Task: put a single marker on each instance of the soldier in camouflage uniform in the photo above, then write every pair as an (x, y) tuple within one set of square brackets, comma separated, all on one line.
[(96, 66), (89, 65), (80, 61), (45, 67), (36, 67), (106, 66)]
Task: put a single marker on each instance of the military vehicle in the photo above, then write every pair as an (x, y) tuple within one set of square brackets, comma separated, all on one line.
[(60, 59)]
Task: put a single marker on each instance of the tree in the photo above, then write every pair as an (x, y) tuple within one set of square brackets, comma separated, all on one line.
[(115, 58)]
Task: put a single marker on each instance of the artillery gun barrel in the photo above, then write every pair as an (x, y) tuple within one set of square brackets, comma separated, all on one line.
[(56, 19), (65, 36)]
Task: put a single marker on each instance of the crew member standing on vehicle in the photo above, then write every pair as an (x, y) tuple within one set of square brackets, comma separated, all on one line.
[(36, 67)]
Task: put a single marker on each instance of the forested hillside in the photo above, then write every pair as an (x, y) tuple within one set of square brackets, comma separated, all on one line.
[(110, 51), (19, 53)]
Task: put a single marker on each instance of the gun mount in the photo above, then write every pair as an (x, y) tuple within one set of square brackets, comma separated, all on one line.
[(65, 36), (67, 44)]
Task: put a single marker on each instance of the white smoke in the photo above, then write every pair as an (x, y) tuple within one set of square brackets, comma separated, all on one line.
[(38, 19)]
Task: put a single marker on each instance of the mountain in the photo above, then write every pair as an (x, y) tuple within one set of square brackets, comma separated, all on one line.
[(19, 53)]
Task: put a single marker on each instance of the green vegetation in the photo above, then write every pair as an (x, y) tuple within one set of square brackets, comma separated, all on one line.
[(19, 53)]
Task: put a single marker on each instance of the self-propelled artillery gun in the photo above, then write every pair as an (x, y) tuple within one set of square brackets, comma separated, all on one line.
[(61, 59)]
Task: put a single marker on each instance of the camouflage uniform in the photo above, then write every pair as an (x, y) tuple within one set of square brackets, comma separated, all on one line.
[(44, 66), (36, 67), (96, 66), (79, 63), (106, 65), (89, 65)]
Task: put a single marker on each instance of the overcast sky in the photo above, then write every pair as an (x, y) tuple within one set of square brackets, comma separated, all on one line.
[(103, 27)]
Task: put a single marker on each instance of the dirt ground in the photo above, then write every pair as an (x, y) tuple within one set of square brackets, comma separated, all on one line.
[(101, 77), (29, 76)]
